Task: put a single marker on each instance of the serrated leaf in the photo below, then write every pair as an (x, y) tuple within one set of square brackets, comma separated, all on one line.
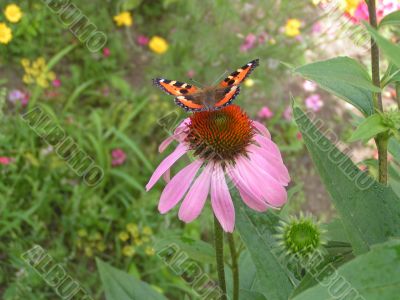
[(369, 128), (256, 231), (371, 276), (391, 50), (119, 285), (391, 19), (370, 212), (345, 78)]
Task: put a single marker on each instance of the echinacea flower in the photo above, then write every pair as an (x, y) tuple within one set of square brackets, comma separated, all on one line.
[(158, 44), (265, 113), (292, 27), (225, 144), (118, 157), (314, 102), (123, 19), (13, 13), (5, 33)]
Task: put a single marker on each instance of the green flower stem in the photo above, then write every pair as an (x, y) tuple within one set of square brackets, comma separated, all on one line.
[(235, 267), (219, 254), (381, 139), (398, 94)]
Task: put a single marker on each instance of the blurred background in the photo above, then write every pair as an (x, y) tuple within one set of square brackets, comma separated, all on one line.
[(88, 67)]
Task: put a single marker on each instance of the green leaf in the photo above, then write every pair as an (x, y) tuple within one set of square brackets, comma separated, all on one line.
[(391, 19), (344, 77), (196, 249), (119, 285), (370, 212), (128, 178), (256, 231), (131, 4), (56, 58), (391, 75), (369, 128), (373, 276), (391, 50)]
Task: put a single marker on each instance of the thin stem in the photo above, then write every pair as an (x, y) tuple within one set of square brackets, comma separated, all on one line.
[(235, 267), (219, 254), (381, 139), (398, 94)]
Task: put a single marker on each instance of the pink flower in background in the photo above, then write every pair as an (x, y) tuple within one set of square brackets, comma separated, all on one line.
[(106, 52), (118, 157), (16, 96), (309, 86), (191, 73), (248, 43), (142, 40), (262, 38), (237, 148), (316, 28), (287, 114), (4, 160), (299, 136), (56, 83), (265, 113), (314, 102), (384, 7)]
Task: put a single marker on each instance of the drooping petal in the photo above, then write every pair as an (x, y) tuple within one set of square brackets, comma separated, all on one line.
[(178, 186), (196, 197), (268, 145), (178, 135), (273, 192), (272, 166), (167, 176), (221, 200), (252, 198), (166, 143), (166, 164), (262, 129)]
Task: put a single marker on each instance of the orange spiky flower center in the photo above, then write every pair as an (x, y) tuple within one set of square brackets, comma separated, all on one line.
[(220, 135)]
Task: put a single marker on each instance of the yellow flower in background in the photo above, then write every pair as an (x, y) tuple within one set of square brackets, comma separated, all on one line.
[(13, 13), (5, 33), (292, 27), (123, 236), (149, 251), (128, 251), (158, 44), (350, 6), (123, 19), (147, 230), (249, 82), (37, 72), (132, 229), (82, 232)]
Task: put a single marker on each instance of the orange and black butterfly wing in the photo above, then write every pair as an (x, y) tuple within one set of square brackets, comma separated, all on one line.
[(188, 96), (224, 96), (237, 77)]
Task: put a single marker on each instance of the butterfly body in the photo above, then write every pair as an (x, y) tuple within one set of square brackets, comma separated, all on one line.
[(192, 98)]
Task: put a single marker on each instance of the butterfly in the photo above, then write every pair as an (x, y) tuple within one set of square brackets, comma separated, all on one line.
[(194, 99)]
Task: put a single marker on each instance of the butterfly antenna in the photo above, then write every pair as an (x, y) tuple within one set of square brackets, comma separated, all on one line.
[(198, 83), (219, 77)]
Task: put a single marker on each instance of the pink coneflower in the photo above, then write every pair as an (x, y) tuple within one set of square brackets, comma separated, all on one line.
[(118, 157), (265, 113), (225, 144), (4, 160), (314, 102)]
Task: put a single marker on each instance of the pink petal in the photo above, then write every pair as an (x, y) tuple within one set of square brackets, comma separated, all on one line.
[(273, 192), (167, 176), (166, 164), (179, 135), (178, 186), (271, 166), (166, 143), (252, 197), (221, 200), (262, 129), (268, 145), (196, 197)]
